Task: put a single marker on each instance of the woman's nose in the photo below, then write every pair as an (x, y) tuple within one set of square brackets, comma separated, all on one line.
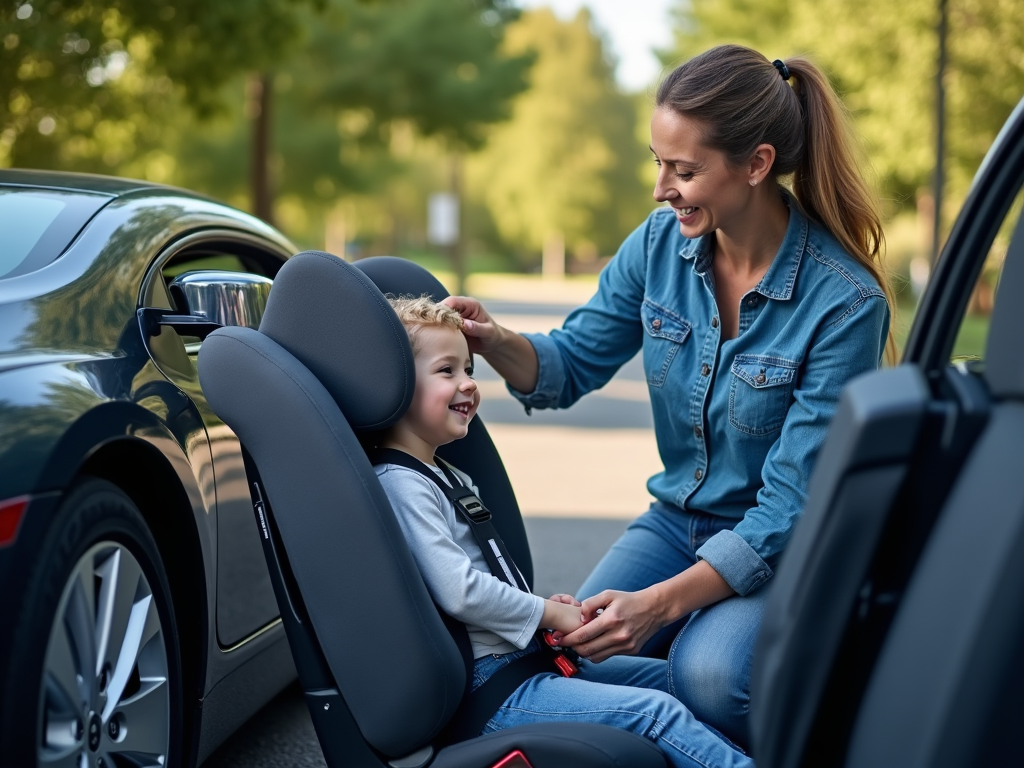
[(662, 190)]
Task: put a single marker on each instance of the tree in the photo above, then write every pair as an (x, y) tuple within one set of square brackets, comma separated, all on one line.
[(87, 84), (881, 56), (566, 166)]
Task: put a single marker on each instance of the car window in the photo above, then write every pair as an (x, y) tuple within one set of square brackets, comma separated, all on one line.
[(36, 225), (972, 335), (189, 262)]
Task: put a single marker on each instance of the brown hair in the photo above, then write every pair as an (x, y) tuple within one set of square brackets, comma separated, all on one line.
[(423, 312), (741, 100)]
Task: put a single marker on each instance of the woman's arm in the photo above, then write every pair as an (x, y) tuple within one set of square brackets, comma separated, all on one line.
[(622, 622)]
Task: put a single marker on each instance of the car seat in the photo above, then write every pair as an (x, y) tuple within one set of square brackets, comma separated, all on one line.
[(947, 690), (382, 672)]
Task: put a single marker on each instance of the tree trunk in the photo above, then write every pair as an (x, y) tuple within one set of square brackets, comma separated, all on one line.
[(258, 110)]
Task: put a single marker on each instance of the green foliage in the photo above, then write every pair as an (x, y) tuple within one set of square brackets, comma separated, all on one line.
[(567, 163), (86, 85), (881, 56)]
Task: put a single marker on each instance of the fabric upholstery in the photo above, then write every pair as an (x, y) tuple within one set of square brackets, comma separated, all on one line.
[(329, 316)]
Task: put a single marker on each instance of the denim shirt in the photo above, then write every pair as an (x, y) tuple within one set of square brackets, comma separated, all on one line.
[(739, 422)]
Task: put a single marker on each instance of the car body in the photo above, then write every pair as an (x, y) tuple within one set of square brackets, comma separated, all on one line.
[(91, 386)]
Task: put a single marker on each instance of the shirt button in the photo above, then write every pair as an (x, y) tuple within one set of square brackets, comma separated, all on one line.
[(714, 321), (760, 378), (698, 432), (752, 301), (705, 369), (698, 474), (656, 324)]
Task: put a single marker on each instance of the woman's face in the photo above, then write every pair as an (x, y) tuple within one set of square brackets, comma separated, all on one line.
[(705, 190)]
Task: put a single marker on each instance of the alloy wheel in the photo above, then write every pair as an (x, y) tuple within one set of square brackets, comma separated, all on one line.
[(105, 697)]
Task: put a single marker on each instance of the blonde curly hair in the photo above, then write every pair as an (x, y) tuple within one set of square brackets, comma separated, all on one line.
[(423, 312)]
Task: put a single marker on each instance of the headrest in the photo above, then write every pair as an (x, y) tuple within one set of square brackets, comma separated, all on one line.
[(336, 322), (1004, 365), (399, 277)]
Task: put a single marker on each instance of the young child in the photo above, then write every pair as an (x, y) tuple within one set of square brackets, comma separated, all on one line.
[(624, 692)]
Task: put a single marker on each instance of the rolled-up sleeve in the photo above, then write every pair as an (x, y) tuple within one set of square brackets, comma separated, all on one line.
[(850, 345)]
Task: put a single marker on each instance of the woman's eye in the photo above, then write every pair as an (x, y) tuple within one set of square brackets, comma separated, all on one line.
[(657, 162), (684, 176)]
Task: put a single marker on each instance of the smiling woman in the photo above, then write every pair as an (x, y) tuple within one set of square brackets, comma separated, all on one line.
[(753, 304)]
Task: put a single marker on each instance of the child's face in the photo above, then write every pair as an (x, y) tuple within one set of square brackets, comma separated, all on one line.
[(446, 397)]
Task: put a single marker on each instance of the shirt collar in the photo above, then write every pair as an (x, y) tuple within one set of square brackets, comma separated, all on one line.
[(778, 281)]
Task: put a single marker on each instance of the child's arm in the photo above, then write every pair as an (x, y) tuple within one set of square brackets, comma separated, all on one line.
[(463, 592)]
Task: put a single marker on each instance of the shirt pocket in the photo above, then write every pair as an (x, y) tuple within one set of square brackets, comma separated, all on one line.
[(760, 394), (665, 334)]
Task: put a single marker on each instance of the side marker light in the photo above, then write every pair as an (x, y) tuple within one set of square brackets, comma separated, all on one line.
[(11, 512)]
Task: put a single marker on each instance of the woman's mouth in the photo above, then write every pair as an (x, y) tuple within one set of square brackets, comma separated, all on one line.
[(685, 213)]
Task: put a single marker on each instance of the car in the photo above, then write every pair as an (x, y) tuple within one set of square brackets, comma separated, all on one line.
[(138, 625)]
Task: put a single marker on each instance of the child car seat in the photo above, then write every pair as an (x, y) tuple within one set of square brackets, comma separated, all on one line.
[(381, 672)]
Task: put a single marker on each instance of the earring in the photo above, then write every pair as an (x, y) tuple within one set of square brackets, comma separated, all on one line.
[(753, 182)]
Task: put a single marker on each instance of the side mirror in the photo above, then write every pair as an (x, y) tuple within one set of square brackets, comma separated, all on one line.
[(224, 298), (208, 300)]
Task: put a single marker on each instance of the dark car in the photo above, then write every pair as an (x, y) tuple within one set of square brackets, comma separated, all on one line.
[(137, 621)]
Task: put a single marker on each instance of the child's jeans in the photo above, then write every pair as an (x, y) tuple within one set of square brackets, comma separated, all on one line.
[(624, 692)]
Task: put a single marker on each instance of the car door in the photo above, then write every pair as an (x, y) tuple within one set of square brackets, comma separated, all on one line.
[(245, 599)]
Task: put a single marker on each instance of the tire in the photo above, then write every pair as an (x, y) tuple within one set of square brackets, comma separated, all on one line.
[(96, 672)]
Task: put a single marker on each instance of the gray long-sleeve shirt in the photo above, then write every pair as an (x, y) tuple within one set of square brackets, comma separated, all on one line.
[(499, 617)]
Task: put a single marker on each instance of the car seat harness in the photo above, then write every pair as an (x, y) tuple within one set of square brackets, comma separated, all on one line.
[(482, 703)]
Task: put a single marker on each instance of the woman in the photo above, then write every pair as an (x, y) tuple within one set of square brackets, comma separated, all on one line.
[(753, 306)]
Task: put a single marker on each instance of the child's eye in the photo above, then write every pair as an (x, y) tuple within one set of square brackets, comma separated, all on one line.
[(445, 369), (469, 371)]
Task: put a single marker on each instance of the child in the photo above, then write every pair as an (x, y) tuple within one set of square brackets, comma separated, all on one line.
[(624, 692)]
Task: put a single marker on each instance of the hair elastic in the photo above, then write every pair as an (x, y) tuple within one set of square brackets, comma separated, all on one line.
[(780, 65)]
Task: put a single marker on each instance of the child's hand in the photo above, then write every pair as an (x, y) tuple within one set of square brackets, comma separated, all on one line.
[(567, 599), (561, 616)]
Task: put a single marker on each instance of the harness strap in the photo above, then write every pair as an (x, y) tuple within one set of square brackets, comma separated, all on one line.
[(472, 510)]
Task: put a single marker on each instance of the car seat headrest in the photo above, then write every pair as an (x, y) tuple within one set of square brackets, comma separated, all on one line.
[(399, 277), (336, 322), (1004, 365)]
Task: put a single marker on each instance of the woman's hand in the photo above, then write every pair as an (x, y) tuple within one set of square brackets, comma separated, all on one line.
[(482, 333), (616, 623), (510, 354)]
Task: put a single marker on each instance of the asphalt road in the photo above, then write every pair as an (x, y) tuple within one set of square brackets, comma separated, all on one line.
[(579, 477)]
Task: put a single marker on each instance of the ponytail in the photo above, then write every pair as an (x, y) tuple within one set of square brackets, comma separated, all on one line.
[(828, 183), (742, 100)]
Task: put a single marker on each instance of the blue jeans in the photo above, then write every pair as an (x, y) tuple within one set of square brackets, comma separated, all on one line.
[(629, 693), (710, 660)]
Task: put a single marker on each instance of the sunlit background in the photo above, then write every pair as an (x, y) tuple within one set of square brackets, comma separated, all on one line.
[(522, 126)]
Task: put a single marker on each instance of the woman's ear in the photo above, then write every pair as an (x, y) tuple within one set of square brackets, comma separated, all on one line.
[(761, 163)]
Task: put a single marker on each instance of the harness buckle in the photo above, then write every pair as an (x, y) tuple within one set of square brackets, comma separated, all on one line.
[(474, 508)]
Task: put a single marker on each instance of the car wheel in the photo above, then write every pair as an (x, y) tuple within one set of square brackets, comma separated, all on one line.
[(96, 657)]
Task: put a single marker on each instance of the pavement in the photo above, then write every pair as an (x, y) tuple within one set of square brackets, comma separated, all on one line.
[(579, 476)]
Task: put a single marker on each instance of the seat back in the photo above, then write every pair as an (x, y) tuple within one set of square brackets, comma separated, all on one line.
[(367, 639), (474, 454), (883, 471), (947, 687)]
